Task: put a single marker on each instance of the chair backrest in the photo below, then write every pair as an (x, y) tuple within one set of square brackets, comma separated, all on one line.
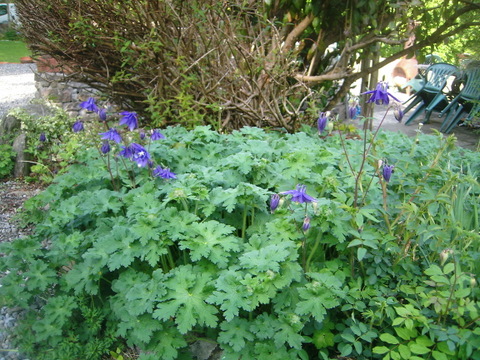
[(471, 89), (437, 76)]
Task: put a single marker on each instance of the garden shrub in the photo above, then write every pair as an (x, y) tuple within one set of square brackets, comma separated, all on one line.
[(196, 62), (210, 236), (7, 160)]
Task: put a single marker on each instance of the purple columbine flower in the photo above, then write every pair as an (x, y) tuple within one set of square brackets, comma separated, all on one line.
[(299, 194), (78, 126), (102, 114), (306, 224), (380, 95), (112, 135), (163, 173), (130, 119), (387, 172), (322, 122), (89, 105), (274, 201), (105, 147), (42, 137), (156, 135), (137, 153)]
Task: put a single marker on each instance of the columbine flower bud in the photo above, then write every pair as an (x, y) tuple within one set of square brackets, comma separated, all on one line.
[(306, 224), (473, 281), (274, 201), (105, 147), (322, 122), (387, 172), (43, 138), (444, 255), (78, 126), (102, 114), (398, 113), (379, 163)]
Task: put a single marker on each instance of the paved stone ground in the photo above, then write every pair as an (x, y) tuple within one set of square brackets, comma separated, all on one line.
[(466, 137)]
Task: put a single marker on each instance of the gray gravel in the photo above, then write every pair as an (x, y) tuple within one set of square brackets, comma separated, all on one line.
[(17, 86)]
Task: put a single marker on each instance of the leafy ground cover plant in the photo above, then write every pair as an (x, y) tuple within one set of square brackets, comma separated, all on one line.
[(270, 245)]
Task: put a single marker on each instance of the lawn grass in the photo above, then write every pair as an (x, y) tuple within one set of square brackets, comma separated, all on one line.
[(12, 51)]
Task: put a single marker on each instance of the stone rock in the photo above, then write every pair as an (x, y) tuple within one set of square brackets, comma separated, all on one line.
[(22, 166), (205, 350), (9, 124)]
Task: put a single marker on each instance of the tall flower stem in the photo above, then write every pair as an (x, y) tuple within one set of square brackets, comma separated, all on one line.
[(244, 221), (366, 151), (313, 250)]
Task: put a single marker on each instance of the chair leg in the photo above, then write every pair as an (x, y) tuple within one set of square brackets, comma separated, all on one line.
[(455, 120), (417, 112), (414, 102), (436, 100), (448, 108), (450, 115)]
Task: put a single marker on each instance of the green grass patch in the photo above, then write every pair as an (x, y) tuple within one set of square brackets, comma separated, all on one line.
[(12, 51)]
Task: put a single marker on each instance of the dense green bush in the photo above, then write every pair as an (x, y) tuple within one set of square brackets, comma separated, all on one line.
[(7, 160), (373, 269)]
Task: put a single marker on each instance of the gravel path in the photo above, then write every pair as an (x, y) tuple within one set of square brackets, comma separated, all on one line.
[(17, 88), (17, 85)]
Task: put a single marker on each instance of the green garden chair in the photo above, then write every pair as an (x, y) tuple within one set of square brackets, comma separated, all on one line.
[(465, 103), (431, 92)]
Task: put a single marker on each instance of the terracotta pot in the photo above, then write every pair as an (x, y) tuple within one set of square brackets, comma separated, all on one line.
[(26, 60)]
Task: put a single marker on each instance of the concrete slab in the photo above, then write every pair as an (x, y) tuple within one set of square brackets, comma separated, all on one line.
[(466, 137)]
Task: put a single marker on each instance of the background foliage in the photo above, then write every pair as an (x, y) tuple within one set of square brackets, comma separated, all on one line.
[(231, 64), (131, 262)]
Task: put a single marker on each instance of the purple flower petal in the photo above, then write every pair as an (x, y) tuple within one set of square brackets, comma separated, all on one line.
[(89, 105), (299, 194), (163, 173), (130, 119), (112, 135), (157, 135)]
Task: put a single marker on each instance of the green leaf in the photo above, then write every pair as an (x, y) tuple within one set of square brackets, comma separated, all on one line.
[(380, 350), (389, 338), (187, 288), (418, 349), (437, 355), (230, 294), (288, 334), (448, 268), (165, 343), (320, 294), (424, 341), (348, 337), (361, 252), (358, 347), (405, 334), (211, 240), (39, 275), (235, 333), (266, 258), (345, 349), (404, 351), (433, 270)]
